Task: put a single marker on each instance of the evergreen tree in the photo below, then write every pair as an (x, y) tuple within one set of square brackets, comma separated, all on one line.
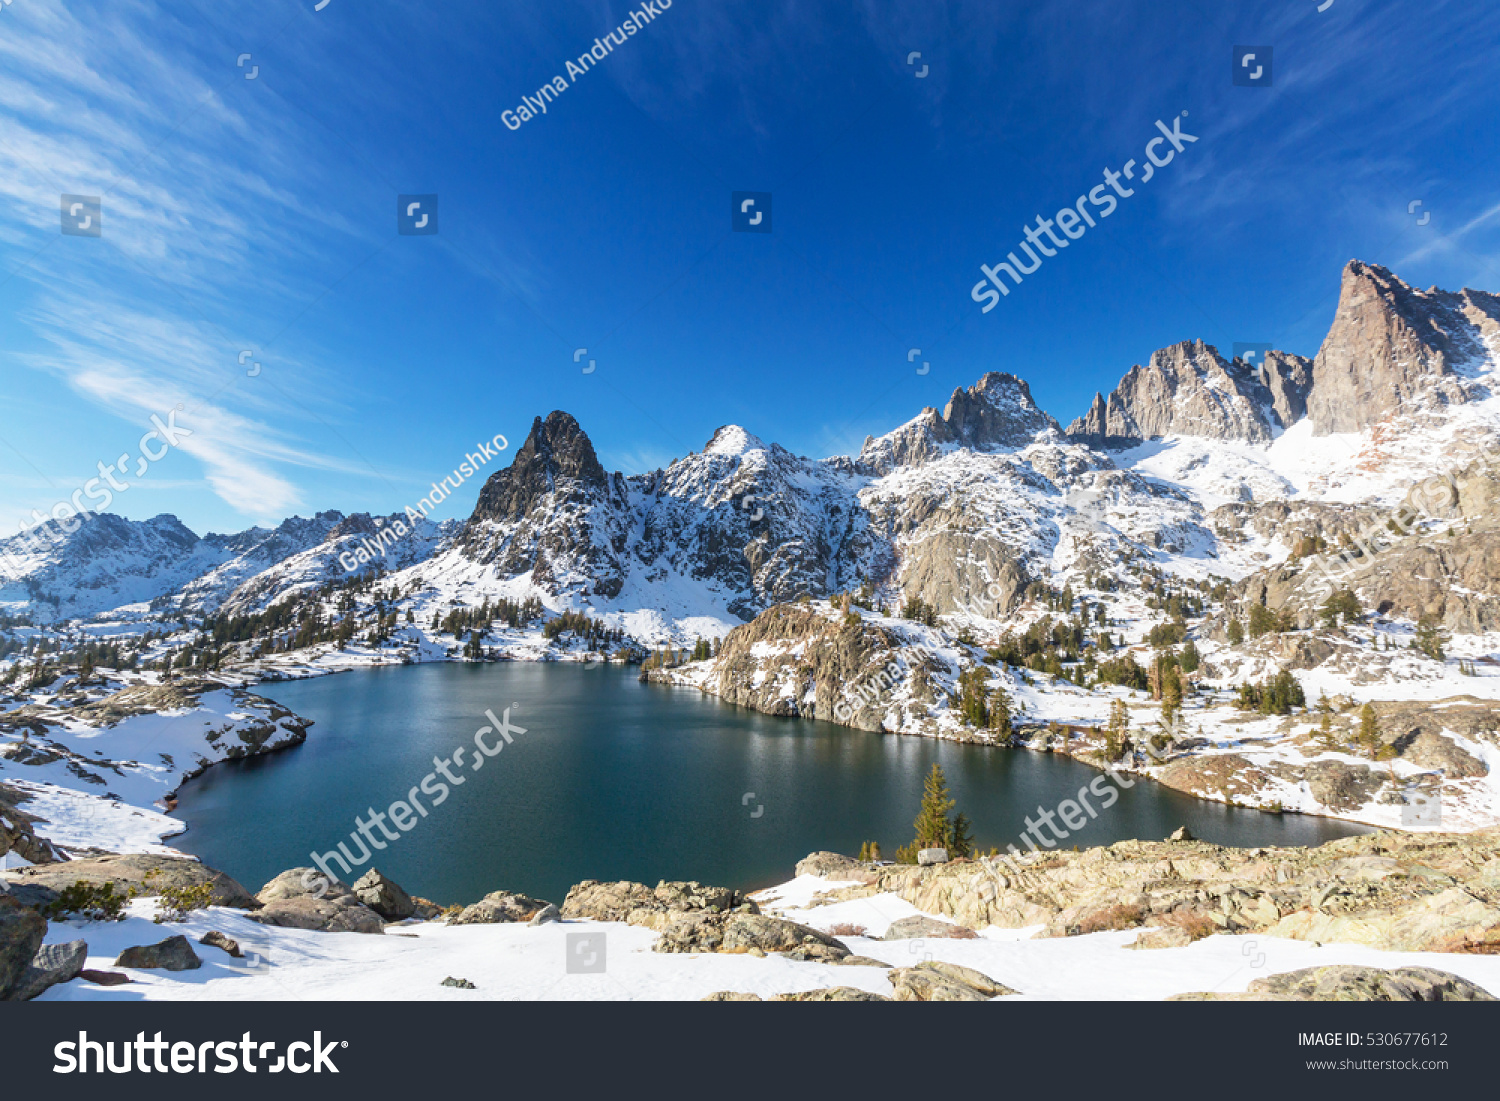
[(934, 831), (1000, 713), (1369, 730), (1171, 694), (1341, 606), (1190, 659), (1236, 632), (1116, 731)]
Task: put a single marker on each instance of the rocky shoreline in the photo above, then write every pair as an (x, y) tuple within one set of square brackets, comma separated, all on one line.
[(1438, 893)]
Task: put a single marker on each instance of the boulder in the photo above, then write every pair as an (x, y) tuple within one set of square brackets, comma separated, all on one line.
[(129, 871), (17, 835), (932, 981), (921, 927), (53, 964), (172, 954), (320, 915), (459, 984), (932, 856), (730, 996), (547, 915), (500, 907), (22, 931), (743, 932), (1170, 936), (637, 904), (384, 896), (827, 865), (304, 883), (1181, 833), (104, 978), (215, 939)]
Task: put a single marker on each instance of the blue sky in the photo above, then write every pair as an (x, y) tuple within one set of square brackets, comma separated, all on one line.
[(260, 215)]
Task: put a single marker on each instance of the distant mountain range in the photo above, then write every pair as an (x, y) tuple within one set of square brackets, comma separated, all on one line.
[(963, 508)]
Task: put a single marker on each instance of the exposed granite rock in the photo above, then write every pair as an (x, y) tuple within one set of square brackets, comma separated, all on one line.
[(1288, 379), (996, 412), (738, 932), (827, 865), (21, 933), (222, 941), (130, 871), (1185, 389), (655, 908), (1397, 892), (334, 914), (53, 964), (933, 981), (500, 907), (384, 896), (17, 835), (921, 927), (172, 954), (1393, 347)]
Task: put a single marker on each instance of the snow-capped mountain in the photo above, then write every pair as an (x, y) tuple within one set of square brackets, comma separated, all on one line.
[(964, 508)]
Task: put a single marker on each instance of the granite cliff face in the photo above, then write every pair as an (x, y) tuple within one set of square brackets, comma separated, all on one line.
[(1395, 348), (1188, 389)]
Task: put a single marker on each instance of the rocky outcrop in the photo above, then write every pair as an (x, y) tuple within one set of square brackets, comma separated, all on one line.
[(800, 660), (1396, 892), (17, 835), (302, 898), (1186, 389), (131, 871), (1395, 348), (21, 933), (500, 907), (637, 904), (52, 964), (1348, 983), (384, 896), (935, 981), (996, 413), (749, 933), (222, 941), (1287, 378)]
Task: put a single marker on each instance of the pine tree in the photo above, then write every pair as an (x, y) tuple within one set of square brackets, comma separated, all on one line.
[(1171, 694), (1369, 730), (933, 828), (1000, 713), (1190, 659), (1116, 731), (1325, 719), (1236, 632), (960, 837)]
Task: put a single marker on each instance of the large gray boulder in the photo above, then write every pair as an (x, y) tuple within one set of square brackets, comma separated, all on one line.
[(172, 954), (748, 933), (500, 907), (304, 883), (637, 904), (130, 871), (321, 915), (53, 964), (384, 896), (934, 981), (1370, 984), (21, 933)]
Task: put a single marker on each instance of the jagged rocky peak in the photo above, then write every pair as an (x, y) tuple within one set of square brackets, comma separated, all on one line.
[(557, 457), (1186, 389), (732, 440), (1287, 378), (1395, 348), (996, 412)]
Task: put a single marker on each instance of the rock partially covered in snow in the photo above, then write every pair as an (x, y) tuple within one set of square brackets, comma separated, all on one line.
[(384, 896)]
